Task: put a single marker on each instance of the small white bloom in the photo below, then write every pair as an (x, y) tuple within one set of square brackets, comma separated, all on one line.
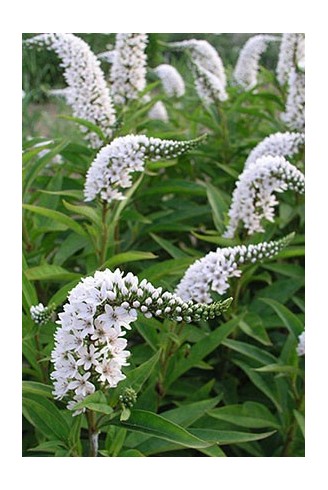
[(301, 344)]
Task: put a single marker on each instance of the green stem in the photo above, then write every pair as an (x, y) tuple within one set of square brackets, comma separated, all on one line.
[(225, 134), (104, 235), (292, 430), (93, 433)]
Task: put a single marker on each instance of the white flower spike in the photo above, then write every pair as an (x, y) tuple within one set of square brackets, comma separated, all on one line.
[(89, 359), (212, 272), (88, 93)]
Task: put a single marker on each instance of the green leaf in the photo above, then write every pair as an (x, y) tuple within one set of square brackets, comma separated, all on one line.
[(86, 211), (158, 426), (166, 245), (267, 387), (252, 326), (97, 402), (87, 124), (125, 257), (131, 453), (218, 204), (250, 351), (68, 247), (300, 419), (224, 437), (57, 216), (167, 268), (278, 368), (48, 447), (252, 415), (46, 417), (37, 388), (48, 272), (202, 348), (291, 322)]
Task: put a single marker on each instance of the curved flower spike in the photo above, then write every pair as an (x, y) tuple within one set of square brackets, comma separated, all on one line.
[(209, 87), (113, 165), (129, 64), (247, 66), (253, 198), (212, 272), (277, 144), (171, 79), (89, 95), (291, 54), (89, 347)]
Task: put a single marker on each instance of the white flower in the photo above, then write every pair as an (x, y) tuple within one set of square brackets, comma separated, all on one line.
[(294, 115), (247, 65), (212, 272), (81, 385), (88, 357), (110, 372), (253, 198), (208, 86), (171, 79), (291, 52), (82, 353), (158, 112), (117, 317), (277, 144), (107, 56), (88, 93), (128, 73), (300, 349), (111, 169)]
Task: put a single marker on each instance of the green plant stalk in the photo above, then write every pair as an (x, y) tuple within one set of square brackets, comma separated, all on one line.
[(225, 134), (93, 433), (292, 430), (104, 234)]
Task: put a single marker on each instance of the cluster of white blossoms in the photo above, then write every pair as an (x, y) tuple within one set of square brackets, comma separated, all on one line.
[(290, 69), (114, 164), (107, 56), (90, 348), (212, 272), (247, 65), (171, 79), (89, 95), (294, 115), (253, 198), (300, 349), (41, 314), (210, 77), (277, 144), (129, 65), (209, 87), (158, 112), (291, 54)]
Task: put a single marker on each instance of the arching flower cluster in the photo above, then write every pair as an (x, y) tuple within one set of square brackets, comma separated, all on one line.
[(129, 64), (89, 95), (114, 164), (291, 55), (300, 349), (41, 314), (290, 69), (158, 112), (278, 144), (294, 115), (212, 272), (210, 77), (171, 79), (90, 348), (253, 198), (247, 65)]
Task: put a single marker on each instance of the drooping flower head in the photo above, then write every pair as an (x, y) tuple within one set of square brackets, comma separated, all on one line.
[(277, 144), (171, 79), (158, 112), (89, 95), (212, 272), (253, 198), (294, 115), (129, 64), (90, 348), (112, 168), (291, 55), (247, 66), (209, 74)]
